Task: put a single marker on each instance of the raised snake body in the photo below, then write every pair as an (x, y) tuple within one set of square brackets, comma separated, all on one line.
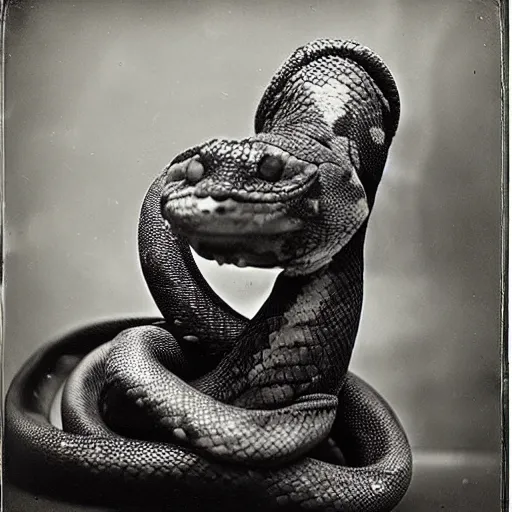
[(206, 410)]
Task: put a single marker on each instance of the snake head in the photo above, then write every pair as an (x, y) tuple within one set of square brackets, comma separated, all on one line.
[(253, 202)]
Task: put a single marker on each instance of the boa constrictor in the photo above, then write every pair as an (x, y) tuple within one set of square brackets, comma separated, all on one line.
[(204, 409)]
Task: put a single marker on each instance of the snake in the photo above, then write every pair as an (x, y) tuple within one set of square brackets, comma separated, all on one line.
[(202, 408)]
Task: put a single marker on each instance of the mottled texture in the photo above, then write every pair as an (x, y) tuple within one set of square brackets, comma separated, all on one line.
[(263, 392)]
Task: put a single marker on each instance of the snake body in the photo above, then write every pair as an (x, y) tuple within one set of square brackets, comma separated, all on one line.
[(204, 409)]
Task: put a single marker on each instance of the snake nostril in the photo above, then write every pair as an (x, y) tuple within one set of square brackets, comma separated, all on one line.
[(194, 171), (175, 172)]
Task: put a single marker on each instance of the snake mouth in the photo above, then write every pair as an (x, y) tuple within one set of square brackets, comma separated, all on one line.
[(229, 217), (228, 231), (211, 216), (262, 252)]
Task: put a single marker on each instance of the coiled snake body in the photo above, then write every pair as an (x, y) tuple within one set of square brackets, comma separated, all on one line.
[(204, 409)]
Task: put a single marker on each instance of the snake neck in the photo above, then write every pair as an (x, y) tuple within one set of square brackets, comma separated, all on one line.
[(333, 101), (301, 340), (333, 107)]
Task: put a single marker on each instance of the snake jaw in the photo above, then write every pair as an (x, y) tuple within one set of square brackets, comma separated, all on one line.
[(228, 231)]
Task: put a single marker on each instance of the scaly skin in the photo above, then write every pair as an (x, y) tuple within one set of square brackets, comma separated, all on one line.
[(208, 404)]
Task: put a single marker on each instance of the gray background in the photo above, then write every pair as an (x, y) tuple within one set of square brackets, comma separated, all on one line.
[(101, 95)]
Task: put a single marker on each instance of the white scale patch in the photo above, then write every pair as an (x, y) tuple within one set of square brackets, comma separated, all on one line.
[(377, 135), (362, 210), (354, 155), (332, 98), (292, 328)]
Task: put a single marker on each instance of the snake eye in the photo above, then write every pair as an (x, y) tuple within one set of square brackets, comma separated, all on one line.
[(270, 168)]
